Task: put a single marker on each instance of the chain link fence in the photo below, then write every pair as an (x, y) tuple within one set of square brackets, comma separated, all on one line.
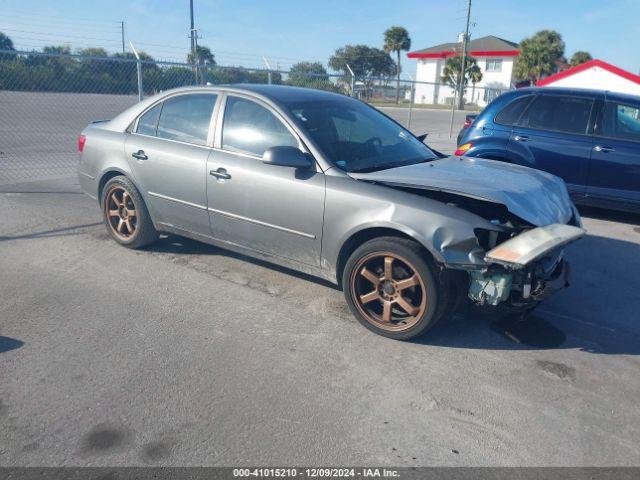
[(46, 99)]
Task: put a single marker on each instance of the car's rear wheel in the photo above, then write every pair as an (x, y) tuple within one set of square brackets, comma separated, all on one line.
[(391, 289), (126, 215)]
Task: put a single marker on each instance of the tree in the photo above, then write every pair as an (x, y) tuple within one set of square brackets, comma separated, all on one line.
[(452, 70), (203, 56), (397, 39), (580, 57), (6, 44), (539, 55), (311, 75), (366, 62), (303, 71)]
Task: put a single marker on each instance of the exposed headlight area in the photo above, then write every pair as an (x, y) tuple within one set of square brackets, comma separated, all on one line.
[(524, 268)]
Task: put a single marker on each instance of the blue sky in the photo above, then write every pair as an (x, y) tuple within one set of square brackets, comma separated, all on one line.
[(240, 32)]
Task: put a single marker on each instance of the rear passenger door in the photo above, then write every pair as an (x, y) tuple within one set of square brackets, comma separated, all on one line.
[(614, 173), (167, 151), (553, 135)]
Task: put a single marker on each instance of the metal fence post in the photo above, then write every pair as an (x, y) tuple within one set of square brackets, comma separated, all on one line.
[(353, 81), (411, 95), (453, 111), (139, 68)]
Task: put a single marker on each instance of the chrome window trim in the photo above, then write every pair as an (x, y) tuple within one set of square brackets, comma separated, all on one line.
[(264, 224), (171, 140)]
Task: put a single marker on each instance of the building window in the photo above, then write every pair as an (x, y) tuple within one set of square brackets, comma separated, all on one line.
[(494, 65)]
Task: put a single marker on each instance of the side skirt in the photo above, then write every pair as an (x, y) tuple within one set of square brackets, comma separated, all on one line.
[(265, 257)]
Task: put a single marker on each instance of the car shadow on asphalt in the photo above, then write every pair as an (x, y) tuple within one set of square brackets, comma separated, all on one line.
[(597, 313), (185, 246), (7, 344), (597, 325), (55, 232)]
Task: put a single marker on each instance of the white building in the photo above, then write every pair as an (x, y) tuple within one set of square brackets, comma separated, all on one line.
[(495, 58), (595, 74)]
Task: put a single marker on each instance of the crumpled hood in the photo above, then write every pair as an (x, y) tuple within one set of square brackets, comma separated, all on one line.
[(536, 197)]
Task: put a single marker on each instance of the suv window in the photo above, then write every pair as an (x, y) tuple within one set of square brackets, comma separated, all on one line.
[(511, 113), (563, 114), (621, 121), (186, 118), (148, 123), (251, 128)]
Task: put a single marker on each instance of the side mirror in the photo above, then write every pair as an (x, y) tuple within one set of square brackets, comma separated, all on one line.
[(287, 157), (422, 137)]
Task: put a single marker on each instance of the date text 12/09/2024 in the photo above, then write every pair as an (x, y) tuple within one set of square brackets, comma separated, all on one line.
[(315, 472)]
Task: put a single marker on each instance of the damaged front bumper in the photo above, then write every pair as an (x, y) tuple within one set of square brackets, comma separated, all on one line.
[(526, 268)]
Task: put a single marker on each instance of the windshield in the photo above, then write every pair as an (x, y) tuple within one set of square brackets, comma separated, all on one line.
[(357, 138)]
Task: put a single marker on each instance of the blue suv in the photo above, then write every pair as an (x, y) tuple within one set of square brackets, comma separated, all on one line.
[(591, 139)]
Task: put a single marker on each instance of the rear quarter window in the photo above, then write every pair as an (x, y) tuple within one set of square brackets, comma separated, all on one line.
[(510, 114)]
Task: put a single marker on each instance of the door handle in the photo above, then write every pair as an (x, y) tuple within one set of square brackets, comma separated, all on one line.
[(140, 155), (521, 138), (220, 173), (600, 148)]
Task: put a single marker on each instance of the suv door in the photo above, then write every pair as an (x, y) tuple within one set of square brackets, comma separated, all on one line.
[(553, 135), (167, 151), (614, 173), (267, 208)]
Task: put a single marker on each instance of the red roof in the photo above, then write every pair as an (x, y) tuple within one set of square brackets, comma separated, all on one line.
[(586, 66)]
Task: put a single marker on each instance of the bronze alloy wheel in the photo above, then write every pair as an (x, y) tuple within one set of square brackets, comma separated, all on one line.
[(121, 213), (388, 291)]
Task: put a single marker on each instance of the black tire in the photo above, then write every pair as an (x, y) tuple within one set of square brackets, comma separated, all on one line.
[(140, 231), (407, 255)]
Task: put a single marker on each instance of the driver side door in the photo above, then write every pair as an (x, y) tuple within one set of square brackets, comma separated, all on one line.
[(271, 209)]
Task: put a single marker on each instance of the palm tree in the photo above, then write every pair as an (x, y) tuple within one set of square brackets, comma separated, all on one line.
[(475, 75), (397, 39), (452, 69)]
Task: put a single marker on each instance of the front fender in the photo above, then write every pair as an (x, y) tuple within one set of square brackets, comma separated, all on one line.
[(353, 206)]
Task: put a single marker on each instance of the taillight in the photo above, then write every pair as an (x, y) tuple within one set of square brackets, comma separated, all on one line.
[(462, 149), (81, 141), (467, 122)]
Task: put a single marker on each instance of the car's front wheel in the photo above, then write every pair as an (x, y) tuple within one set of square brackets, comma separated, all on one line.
[(391, 288), (125, 214)]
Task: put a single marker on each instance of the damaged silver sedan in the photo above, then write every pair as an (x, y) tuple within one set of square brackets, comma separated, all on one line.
[(324, 184)]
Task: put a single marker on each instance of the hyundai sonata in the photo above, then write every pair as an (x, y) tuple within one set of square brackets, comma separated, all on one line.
[(327, 185)]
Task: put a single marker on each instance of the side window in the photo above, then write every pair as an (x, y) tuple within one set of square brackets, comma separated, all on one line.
[(148, 123), (563, 114), (511, 113), (251, 128), (621, 121), (186, 118)]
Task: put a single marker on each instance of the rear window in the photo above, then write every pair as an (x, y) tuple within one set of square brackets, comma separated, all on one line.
[(558, 113), (511, 113)]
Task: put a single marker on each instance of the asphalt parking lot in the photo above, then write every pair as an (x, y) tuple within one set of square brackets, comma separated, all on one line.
[(184, 354)]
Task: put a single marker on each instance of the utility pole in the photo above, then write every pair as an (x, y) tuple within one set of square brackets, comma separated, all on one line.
[(192, 32), (465, 39), (122, 30)]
